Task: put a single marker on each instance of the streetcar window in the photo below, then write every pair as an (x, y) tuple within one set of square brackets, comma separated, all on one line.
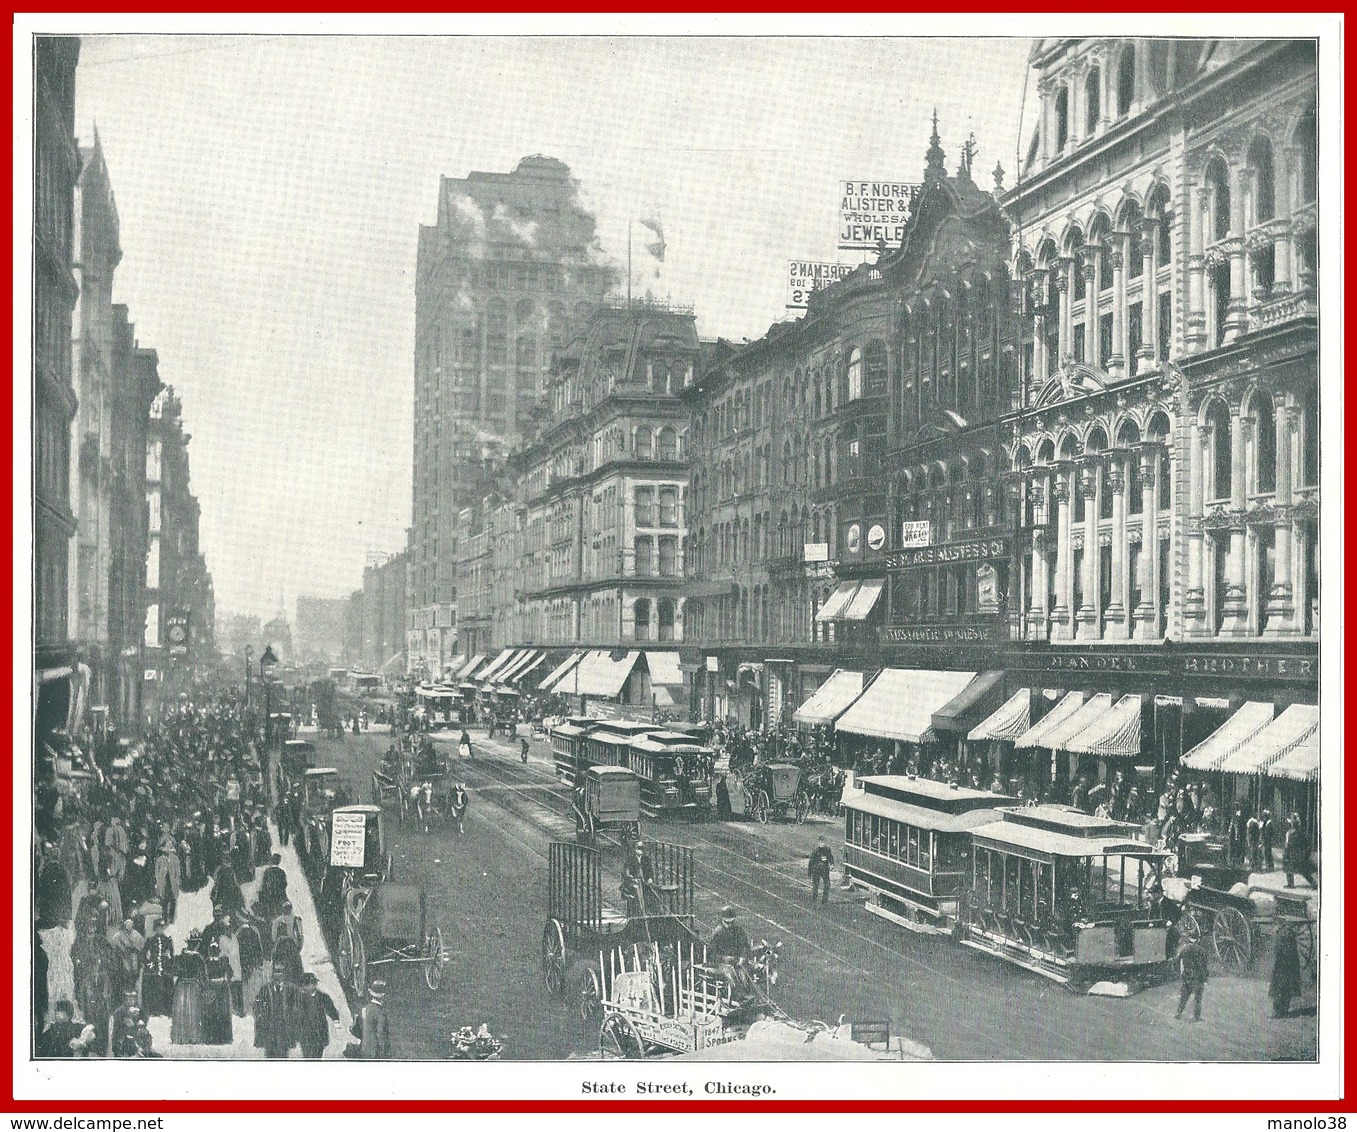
[(925, 852), (894, 850), (913, 846)]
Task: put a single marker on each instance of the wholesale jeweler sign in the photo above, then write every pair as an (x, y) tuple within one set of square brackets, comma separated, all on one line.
[(873, 212)]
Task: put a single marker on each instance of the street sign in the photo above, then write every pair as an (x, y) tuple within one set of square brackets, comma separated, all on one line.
[(874, 212), (805, 276)]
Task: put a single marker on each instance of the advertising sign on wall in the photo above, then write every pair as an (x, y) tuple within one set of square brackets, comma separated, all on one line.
[(805, 276), (916, 533), (873, 212)]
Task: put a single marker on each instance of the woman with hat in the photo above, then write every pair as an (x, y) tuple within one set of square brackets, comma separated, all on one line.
[(157, 973), (186, 1021), (217, 998)]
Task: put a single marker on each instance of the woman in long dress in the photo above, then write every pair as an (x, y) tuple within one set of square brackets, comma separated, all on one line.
[(190, 984), (157, 974), (217, 1000), (252, 974)]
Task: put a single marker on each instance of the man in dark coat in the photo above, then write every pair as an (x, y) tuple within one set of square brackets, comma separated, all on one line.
[(317, 1012), (372, 1027), (276, 1016), (1285, 982), (272, 890), (226, 892), (54, 890), (55, 1040), (1192, 972), (157, 974), (122, 1027), (1296, 854), (1267, 837), (821, 861), (287, 959)]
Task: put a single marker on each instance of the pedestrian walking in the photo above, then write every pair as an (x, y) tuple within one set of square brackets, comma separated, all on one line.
[(276, 1016), (316, 1011), (821, 861), (372, 1027), (464, 746), (459, 802), (1267, 837), (1191, 958), (1285, 982), (1253, 836), (523, 748), (1296, 854)]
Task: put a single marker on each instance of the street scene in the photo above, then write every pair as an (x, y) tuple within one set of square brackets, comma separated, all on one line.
[(592, 621)]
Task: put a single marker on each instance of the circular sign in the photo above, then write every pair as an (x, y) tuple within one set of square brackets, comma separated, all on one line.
[(876, 536), (854, 538), (177, 634)]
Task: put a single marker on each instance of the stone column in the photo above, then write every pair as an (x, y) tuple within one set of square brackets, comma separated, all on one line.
[(1236, 610), (1146, 614), (1196, 269), (1115, 614), (1278, 607), (1065, 282), (1236, 318), (1093, 345), (1116, 364), (1061, 629), (1194, 600), (1086, 617), (1281, 257), (1037, 613), (1047, 116), (1039, 369), (1149, 293)]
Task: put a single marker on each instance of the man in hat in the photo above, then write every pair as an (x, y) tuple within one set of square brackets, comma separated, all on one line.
[(1267, 837), (272, 889), (276, 1012), (1296, 854), (126, 943), (55, 1040), (168, 869), (157, 973), (821, 861), (1191, 959), (372, 1027), (730, 946), (317, 1011), (122, 1027)]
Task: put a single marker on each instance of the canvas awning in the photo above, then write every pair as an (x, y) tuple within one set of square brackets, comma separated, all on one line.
[(455, 665), (663, 696), (1114, 734), (900, 703), (555, 676), (495, 665), (831, 699), (1250, 719), (1094, 708), (518, 664), (532, 666), (1280, 737), (664, 668), (1301, 764), (862, 603), (1010, 721), (1035, 736), (973, 702), (837, 601), (601, 675)]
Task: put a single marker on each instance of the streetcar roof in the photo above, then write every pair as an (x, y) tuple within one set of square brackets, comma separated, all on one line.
[(610, 772), (320, 771), (929, 794), (920, 817), (362, 808), (1023, 840)]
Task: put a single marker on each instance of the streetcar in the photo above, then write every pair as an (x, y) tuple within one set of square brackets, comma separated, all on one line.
[(675, 774), (566, 740), (907, 841), (608, 744), (1065, 895)]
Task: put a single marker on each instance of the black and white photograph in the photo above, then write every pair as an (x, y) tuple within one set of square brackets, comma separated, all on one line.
[(678, 547)]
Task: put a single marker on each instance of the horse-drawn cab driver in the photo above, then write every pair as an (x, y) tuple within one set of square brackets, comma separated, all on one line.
[(638, 881)]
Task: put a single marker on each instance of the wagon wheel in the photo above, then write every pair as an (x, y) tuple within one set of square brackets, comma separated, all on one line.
[(802, 807), (617, 1038), (1189, 927), (344, 961), (553, 958), (586, 992), (360, 964), (761, 806), (434, 959), (1233, 938)]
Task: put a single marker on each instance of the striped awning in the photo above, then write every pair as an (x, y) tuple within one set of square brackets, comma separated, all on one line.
[(1114, 734), (1010, 721), (529, 668), (1035, 736), (454, 665), (474, 663), (864, 601), (1301, 764), (1250, 719), (900, 704), (1280, 737), (837, 600), (495, 665), (556, 674), (1094, 708), (664, 668), (974, 701), (519, 662), (600, 675), (831, 699)]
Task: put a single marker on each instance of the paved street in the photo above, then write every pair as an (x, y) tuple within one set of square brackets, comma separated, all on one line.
[(488, 892)]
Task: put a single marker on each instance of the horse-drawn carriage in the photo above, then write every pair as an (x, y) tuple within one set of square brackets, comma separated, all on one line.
[(774, 790), (607, 798), (384, 924), (1221, 910)]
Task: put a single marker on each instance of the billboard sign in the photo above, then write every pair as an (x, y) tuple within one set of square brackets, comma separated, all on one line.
[(815, 552), (176, 632), (874, 212), (805, 276), (916, 533)]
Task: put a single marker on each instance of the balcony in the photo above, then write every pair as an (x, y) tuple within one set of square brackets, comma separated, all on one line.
[(1278, 309)]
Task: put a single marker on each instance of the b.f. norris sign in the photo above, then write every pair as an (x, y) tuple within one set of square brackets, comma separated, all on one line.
[(873, 212)]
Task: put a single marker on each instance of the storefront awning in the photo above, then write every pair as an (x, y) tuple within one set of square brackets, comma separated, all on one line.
[(1302, 764), (1009, 721), (869, 592), (519, 666), (1280, 737), (600, 675), (529, 668), (455, 665), (837, 601), (831, 699), (663, 696), (1114, 734), (975, 701), (495, 665), (470, 670), (1035, 736), (664, 668), (1094, 708), (515, 663), (554, 677), (900, 703), (1250, 719)]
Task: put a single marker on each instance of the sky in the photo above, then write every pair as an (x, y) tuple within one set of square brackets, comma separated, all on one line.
[(270, 191)]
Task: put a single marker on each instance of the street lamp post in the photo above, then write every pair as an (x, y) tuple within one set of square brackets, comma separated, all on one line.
[(267, 660)]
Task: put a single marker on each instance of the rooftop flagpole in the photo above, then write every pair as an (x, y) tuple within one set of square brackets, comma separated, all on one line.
[(628, 263)]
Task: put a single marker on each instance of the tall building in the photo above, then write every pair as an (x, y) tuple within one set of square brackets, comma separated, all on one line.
[(383, 607), (319, 636), (56, 164), (1167, 439), (510, 263)]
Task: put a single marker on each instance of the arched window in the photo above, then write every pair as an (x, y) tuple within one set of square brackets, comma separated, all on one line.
[(1261, 174), (1218, 198), (788, 465), (1126, 81), (642, 619), (1222, 459), (643, 444), (1062, 118), (1135, 248), (1264, 444), (668, 444), (1092, 96), (854, 385)]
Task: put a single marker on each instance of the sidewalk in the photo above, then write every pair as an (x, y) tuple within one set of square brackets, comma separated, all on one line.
[(195, 911)]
